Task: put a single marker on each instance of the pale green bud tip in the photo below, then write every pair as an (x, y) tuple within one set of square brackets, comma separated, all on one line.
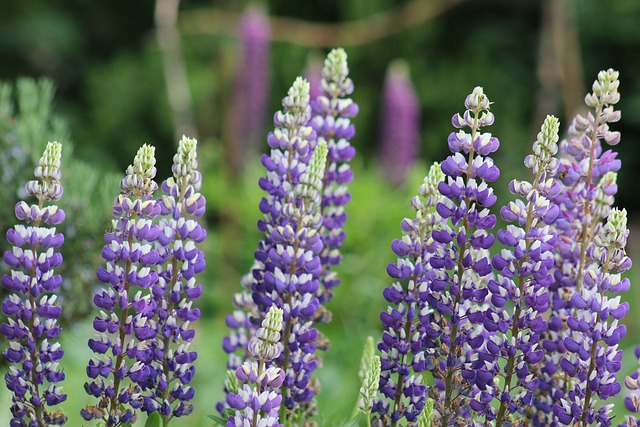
[(618, 220), (424, 419), (185, 161), (368, 354), (231, 382), (435, 176), (145, 160), (319, 159), (273, 320), (335, 66), (370, 385), (48, 168), (550, 128)]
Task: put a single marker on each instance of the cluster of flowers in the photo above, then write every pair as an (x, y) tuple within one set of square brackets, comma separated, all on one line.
[(143, 359), (306, 186), (526, 336)]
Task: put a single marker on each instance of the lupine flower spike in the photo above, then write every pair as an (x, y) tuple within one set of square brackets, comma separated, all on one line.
[(31, 308), (254, 395), (524, 275), (400, 124), (402, 356), (587, 184), (177, 288), (278, 276), (458, 344), (332, 114), (126, 323)]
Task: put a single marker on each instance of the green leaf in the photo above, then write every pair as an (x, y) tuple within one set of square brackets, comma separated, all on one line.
[(354, 421), (153, 420), (218, 420)]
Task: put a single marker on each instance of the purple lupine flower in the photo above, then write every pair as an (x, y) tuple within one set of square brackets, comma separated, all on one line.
[(524, 277), (402, 353), (292, 145), (257, 402), (593, 356), (399, 124), (332, 114), (251, 85), (126, 322), (464, 367), (586, 193), (632, 398), (31, 308), (177, 288)]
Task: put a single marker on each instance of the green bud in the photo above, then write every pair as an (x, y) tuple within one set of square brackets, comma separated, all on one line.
[(231, 382), (369, 387), (424, 419)]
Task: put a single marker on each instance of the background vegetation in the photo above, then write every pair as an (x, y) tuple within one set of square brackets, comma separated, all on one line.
[(107, 64)]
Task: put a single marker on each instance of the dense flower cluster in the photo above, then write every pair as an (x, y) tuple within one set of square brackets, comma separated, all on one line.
[(586, 175), (332, 113), (403, 357), (524, 274), (31, 307), (303, 219), (258, 400), (400, 124), (126, 323), (176, 289)]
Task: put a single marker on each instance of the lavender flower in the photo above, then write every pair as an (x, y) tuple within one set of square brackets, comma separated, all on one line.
[(632, 399), (525, 274), (332, 114), (251, 86), (126, 324), (31, 307), (257, 401), (403, 358), (463, 365), (400, 124), (177, 288)]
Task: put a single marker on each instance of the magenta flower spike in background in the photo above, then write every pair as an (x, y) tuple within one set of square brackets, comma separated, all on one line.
[(125, 325), (399, 124), (177, 287), (332, 114), (31, 308), (251, 85)]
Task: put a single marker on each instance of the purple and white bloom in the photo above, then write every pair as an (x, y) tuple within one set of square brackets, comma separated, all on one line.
[(399, 124), (463, 364), (31, 308), (587, 187), (524, 274), (292, 143), (254, 396), (251, 85), (403, 358), (126, 322), (332, 114), (177, 287)]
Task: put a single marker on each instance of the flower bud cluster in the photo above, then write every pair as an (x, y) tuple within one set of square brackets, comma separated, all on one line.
[(31, 308), (126, 323)]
